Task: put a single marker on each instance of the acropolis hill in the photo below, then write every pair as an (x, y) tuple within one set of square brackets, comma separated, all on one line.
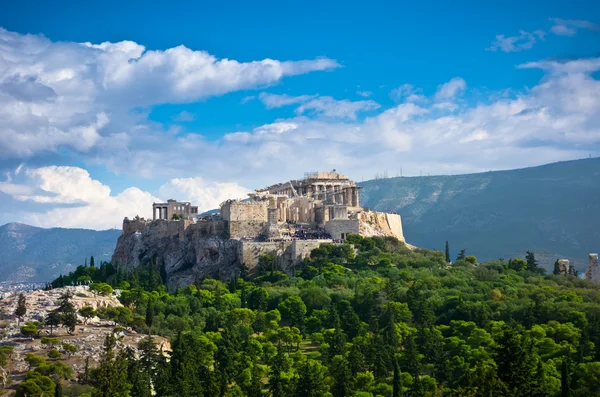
[(287, 219)]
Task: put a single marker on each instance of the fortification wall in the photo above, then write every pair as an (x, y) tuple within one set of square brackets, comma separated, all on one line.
[(338, 229), (253, 212)]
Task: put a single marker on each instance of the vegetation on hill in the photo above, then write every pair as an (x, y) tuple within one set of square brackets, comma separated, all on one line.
[(366, 318)]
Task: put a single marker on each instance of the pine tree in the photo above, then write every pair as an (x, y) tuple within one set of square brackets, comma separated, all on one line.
[(447, 252), (53, 319), (110, 378), (397, 381), (311, 380), (68, 316), (21, 309), (461, 255)]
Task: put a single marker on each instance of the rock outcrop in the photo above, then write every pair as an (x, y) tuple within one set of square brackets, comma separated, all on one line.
[(183, 252)]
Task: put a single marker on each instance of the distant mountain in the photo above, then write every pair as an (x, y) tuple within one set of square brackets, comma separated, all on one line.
[(553, 210), (29, 253)]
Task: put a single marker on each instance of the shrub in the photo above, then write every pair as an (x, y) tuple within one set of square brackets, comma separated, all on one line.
[(53, 353)]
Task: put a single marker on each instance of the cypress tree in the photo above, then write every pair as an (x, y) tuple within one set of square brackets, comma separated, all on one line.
[(397, 381), (276, 382), (532, 263), (447, 252), (92, 262), (565, 386), (21, 309)]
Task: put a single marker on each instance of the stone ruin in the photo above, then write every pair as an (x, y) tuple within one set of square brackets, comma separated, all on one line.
[(288, 219), (593, 271), (563, 266)]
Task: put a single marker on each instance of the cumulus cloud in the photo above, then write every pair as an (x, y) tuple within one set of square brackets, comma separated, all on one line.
[(320, 105), (56, 95), (75, 199), (524, 41), (205, 194)]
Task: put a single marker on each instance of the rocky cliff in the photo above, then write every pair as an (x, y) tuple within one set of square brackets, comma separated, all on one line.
[(183, 252)]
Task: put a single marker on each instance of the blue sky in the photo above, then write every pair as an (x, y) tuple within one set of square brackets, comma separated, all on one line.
[(364, 87)]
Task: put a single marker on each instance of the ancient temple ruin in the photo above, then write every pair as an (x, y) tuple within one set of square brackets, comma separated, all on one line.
[(288, 219), (172, 207)]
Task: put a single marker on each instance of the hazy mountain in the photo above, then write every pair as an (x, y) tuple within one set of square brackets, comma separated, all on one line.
[(29, 253), (553, 210)]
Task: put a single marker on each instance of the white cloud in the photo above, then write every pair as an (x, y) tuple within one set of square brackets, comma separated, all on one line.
[(364, 94), (568, 27), (77, 200), (524, 41), (450, 89), (56, 95), (321, 105), (205, 194), (585, 65), (407, 93)]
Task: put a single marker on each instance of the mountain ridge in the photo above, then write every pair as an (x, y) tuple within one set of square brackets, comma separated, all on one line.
[(550, 209)]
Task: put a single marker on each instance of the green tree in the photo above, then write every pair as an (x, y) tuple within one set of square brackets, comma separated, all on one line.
[(447, 252), (461, 255), (53, 320), (110, 378), (342, 377), (532, 263), (35, 384), (21, 309), (87, 312), (397, 380), (293, 311), (311, 380), (516, 361), (277, 385), (92, 264), (565, 379)]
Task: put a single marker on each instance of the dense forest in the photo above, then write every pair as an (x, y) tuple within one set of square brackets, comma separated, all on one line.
[(366, 318)]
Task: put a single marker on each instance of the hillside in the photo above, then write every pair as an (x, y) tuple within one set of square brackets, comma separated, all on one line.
[(553, 210), (29, 253)]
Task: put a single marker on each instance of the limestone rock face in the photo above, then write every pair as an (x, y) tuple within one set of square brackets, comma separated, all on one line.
[(183, 253)]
